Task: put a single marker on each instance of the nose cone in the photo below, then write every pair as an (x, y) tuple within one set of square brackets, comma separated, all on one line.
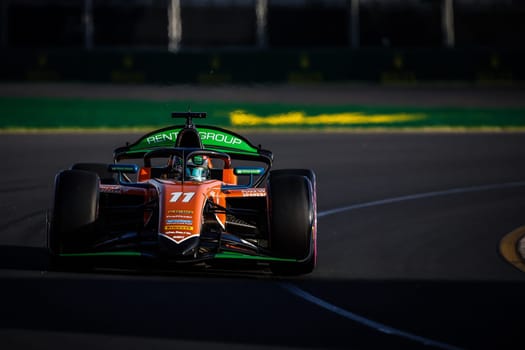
[(181, 211), (170, 249), (181, 217)]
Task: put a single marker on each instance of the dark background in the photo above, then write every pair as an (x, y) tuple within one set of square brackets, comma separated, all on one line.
[(127, 41), (206, 24)]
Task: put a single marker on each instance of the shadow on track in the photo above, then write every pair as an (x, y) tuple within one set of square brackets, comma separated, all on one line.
[(23, 258), (237, 309)]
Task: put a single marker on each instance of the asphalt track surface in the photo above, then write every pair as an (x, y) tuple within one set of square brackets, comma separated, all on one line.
[(427, 266), (432, 95)]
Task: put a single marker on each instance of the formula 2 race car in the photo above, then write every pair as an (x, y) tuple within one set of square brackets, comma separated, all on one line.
[(187, 194)]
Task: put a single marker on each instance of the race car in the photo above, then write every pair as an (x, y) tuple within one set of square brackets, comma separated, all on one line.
[(187, 194)]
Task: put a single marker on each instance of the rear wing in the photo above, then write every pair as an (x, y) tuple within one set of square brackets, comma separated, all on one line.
[(212, 137)]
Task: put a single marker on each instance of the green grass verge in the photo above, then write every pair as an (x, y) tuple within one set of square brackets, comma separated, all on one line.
[(66, 113)]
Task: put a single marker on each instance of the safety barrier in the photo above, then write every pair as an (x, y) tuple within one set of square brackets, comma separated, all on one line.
[(485, 66)]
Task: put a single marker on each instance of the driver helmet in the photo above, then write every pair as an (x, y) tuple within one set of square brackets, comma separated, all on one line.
[(197, 168)]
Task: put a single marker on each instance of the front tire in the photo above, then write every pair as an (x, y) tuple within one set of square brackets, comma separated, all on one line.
[(293, 220), (75, 211)]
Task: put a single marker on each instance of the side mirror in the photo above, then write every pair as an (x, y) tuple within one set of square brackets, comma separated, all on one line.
[(123, 168), (248, 171), (252, 172)]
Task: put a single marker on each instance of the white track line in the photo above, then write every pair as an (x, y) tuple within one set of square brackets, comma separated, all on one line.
[(293, 289), (420, 196), (364, 321)]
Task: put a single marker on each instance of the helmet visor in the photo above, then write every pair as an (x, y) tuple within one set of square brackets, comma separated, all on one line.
[(196, 173)]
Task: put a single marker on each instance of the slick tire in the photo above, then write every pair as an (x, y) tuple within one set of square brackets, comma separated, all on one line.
[(75, 211), (101, 169), (293, 219)]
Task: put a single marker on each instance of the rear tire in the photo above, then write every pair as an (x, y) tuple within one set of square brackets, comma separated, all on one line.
[(293, 220), (75, 211)]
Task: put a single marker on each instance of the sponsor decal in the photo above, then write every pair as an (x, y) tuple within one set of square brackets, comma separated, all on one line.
[(178, 236), (209, 137), (177, 227), (180, 211), (254, 192), (110, 188), (179, 221), (186, 196), (171, 136), (162, 137), (219, 138), (179, 217)]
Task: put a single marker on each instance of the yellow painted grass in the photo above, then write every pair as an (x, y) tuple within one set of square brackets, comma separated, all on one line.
[(242, 118)]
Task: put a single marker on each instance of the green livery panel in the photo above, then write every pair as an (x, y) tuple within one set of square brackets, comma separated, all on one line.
[(221, 255), (213, 138), (240, 256)]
